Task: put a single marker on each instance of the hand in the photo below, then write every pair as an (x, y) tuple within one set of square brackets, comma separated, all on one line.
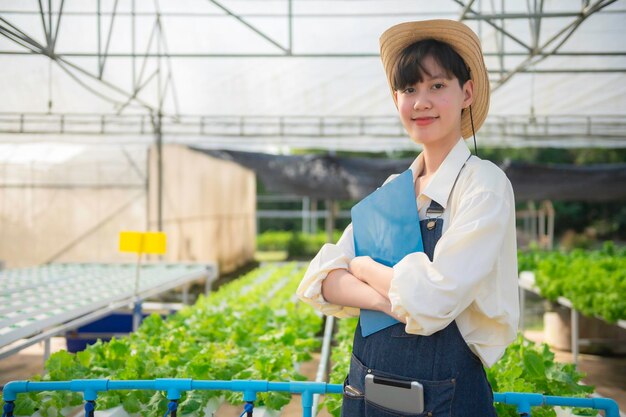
[(359, 266)]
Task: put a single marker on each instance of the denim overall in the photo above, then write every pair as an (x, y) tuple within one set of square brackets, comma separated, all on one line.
[(454, 381)]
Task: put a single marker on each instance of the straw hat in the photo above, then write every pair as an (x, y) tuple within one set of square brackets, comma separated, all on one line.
[(462, 39)]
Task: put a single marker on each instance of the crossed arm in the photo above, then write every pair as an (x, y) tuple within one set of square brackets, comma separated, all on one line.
[(365, 285)]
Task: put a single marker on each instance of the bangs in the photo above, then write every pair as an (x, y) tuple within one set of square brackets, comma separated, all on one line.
[(409, 69)]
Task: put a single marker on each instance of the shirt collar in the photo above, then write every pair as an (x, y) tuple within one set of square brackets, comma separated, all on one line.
[(440, 186)]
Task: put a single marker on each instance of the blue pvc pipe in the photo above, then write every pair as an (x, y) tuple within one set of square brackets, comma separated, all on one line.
[(334, 388), (10, 390), (606, 404), (523, 401), (307, 403), (174, 387), (132, 384)]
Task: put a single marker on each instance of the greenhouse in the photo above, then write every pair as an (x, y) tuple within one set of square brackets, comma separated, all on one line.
[(179, 182)]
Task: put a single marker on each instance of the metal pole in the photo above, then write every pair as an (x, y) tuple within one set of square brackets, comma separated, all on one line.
[(132, 42), (290, 17), (99, 37), (550, 210), (46, 350), (136, 314), (306, 214), (541, 215), (330, 219), (159, 146), (522, 307), (211, 276), (186, 294), (314, 216), (137, 302), (533, 220), (574, 328), (324, 358), (147, 187)]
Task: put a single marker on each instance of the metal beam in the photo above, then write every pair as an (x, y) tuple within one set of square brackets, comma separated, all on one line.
[(98, 28), (249, 26), (287, 129), (145, 58), (535, 58), (133, 41), (465, 10), (135, 92), (43, 22), (170, 73), (85, 86), (103, 82), (56, 31), (157, 123), (20, 40), (498, 28), (106, 48), (21, 35), (330, 15), (298, 55), (290, 26)]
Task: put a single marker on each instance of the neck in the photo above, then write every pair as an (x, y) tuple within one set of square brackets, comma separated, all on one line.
[(434, 154)]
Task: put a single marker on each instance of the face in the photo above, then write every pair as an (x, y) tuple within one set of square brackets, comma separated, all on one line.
[(431, 110)]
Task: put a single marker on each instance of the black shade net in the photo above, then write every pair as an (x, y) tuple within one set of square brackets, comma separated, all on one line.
[(343, 178)]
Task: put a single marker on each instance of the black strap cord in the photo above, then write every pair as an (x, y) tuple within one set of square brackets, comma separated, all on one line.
[(473, 132)]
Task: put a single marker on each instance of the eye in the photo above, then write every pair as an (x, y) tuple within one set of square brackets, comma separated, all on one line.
[(406, 90), (438, 86)]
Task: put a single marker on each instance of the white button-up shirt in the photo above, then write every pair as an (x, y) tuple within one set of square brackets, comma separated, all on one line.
[(473, 275)]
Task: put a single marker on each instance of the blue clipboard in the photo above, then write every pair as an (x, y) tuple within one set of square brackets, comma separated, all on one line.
[(386, 228)]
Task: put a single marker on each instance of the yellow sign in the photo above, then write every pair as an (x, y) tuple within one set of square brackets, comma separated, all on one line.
[(143, 242)]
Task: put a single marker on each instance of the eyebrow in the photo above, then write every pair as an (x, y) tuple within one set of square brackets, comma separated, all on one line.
[(437, 76)]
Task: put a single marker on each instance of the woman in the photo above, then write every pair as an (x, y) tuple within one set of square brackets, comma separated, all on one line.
[(456, 302)]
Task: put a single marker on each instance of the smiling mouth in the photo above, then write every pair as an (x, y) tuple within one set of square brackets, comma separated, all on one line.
[(422, 121)]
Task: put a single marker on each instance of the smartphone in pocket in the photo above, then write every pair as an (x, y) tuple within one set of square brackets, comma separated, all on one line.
[(394, 394)]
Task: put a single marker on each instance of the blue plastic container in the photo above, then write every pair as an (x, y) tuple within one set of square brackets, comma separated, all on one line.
[(104, 328)]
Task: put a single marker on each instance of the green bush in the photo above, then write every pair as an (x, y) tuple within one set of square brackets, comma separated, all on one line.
[(273, 240), (297, 245), (234, 333), (594, 281)]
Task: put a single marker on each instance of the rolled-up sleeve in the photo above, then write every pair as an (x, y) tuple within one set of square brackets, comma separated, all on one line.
[(330, 257), (430, 295)]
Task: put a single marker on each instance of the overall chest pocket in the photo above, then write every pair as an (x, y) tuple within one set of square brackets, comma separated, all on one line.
[(438, 395)]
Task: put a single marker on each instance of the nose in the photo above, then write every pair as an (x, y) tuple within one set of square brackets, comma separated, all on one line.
[(422, 101)]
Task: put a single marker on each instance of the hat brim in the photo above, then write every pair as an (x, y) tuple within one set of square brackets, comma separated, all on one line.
[(462, 39)]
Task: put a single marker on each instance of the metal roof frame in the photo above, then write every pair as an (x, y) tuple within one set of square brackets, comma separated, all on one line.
[(530, 51)]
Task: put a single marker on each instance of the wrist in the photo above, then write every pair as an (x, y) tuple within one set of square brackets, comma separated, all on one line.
[(358, 267), (382, 304)]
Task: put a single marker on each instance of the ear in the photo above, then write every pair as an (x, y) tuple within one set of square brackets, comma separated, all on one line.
[(468, 93)]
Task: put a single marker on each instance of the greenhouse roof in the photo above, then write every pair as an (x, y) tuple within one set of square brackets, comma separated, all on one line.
[(274, 74)]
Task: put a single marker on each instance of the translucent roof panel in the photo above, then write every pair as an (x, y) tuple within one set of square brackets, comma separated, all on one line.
[(253, 58)]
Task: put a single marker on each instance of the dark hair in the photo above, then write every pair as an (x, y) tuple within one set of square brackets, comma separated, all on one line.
[(409, 69)]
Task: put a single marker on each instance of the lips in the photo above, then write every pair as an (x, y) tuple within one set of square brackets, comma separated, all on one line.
[(424, 121)]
